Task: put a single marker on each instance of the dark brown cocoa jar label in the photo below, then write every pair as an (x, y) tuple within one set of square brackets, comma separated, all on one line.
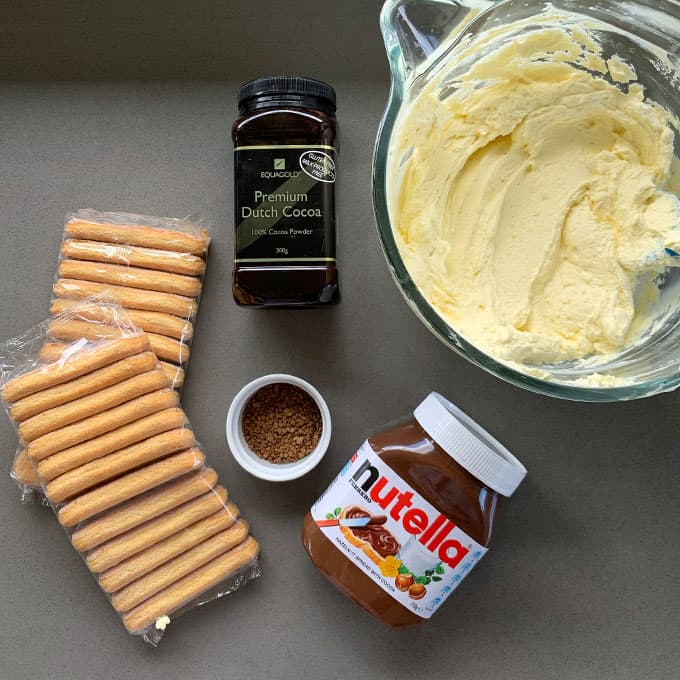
[(285, 204)]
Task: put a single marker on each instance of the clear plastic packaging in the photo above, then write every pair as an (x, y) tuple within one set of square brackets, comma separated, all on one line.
[(120, 466), (26, 478), (152, 266)]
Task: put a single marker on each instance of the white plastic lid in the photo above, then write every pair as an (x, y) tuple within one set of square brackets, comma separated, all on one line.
[(469, 445)]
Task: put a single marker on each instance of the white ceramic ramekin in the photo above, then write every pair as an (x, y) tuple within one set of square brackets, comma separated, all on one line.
[(248, 459)]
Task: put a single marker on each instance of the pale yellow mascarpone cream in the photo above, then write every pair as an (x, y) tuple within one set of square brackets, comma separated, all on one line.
[(533, 195)]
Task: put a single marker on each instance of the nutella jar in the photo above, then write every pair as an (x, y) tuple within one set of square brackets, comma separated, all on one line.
[(412, 512)]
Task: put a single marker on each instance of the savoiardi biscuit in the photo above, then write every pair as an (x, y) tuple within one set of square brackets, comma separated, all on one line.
[(148, 237), (70, 412), (174, 374), (136, 431), (130, 298), (23, 470), (51, 397), (185, 589), (163, 347), (152, 322), (186, 563), (72, 330), (114, 464), (161, 552), (54, 351), (87, 429), (128, 486), (169, 349), (132, 277), (142, 509), (114, 551), (149, 258), (51, 352), (80, 363)]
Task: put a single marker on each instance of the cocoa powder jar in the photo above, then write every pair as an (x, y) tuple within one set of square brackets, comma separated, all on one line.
[(285, 164)]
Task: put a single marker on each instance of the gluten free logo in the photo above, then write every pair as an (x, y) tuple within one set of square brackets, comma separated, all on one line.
[(318, 165)]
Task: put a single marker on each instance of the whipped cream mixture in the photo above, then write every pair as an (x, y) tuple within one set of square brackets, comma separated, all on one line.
[(534, 195)]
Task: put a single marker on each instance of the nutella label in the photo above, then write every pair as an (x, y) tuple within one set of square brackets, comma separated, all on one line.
[(396, 537)]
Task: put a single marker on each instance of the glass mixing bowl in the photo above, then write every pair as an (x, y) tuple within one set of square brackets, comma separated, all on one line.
[(418, 35)]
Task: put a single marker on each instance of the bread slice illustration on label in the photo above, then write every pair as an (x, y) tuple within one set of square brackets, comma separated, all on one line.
[(374, 539)]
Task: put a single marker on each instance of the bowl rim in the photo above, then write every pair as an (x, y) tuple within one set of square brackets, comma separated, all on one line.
[(248, 459)]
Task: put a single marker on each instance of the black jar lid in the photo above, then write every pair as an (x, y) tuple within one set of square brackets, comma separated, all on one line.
[(287, 89)]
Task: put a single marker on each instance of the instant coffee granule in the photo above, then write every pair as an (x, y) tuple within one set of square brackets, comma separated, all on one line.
[(281, 423)]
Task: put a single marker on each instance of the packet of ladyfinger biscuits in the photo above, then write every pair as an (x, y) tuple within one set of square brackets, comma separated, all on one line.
[(119, 464), (152, 266)]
